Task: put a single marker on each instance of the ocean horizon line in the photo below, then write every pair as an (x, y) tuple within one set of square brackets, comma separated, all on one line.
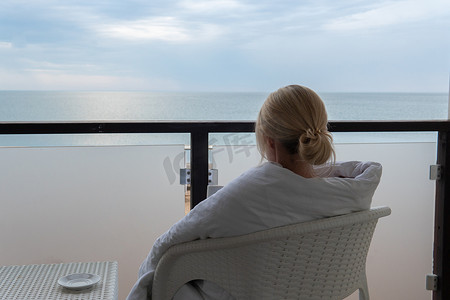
[(220, 91)]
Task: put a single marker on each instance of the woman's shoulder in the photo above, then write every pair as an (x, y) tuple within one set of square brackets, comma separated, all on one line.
[(261, 174), (249, 183)]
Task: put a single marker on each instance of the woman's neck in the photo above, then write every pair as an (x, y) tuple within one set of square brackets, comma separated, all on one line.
[(291, 162), (297, 166)]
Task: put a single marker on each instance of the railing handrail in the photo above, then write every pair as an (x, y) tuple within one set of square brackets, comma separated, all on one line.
[(87, 127)]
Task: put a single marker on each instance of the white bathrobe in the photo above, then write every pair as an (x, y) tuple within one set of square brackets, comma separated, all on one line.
[(264, 197)]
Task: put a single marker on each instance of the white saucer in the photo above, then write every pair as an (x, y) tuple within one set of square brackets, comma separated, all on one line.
[(78, 281)]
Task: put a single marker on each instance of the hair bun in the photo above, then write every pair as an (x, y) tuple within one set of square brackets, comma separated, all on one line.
[(309, 134), (315, 146)]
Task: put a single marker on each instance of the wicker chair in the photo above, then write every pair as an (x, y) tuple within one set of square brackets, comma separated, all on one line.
[(321, 259)]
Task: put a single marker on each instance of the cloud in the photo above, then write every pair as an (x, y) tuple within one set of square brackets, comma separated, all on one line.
[(169, 29), (5, 45), (45, 79), (391, 13), (33, 65), (212, 6), (181, 22), (161, 28)]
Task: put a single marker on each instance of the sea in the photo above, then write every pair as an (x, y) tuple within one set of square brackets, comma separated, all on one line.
[(76, 106)]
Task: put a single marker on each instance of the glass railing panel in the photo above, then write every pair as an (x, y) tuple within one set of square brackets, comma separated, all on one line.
[(401, 252), (65, 204)]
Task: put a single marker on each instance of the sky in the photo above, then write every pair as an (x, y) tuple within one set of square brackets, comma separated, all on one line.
[(225, 45)]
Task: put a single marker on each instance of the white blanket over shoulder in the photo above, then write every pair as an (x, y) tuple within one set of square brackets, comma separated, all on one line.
[(265, 197)]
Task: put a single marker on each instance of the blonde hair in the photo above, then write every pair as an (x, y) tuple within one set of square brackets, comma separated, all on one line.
[(296, 116)]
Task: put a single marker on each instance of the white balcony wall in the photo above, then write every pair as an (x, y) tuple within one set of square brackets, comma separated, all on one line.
[(70, 204), (401, 252)]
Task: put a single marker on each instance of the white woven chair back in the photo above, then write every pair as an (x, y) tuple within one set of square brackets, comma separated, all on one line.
[(321, 259)]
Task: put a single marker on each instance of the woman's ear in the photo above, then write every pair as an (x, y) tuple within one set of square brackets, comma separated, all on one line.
[(270, 142), (271, 149)]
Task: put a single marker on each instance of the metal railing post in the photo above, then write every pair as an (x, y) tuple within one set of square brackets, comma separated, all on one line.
[(199, 166), (441, 251)]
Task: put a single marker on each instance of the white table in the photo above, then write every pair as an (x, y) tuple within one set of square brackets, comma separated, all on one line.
[(32, 282)]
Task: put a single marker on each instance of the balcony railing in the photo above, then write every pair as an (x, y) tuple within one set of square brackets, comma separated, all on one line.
[(199, 133)]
